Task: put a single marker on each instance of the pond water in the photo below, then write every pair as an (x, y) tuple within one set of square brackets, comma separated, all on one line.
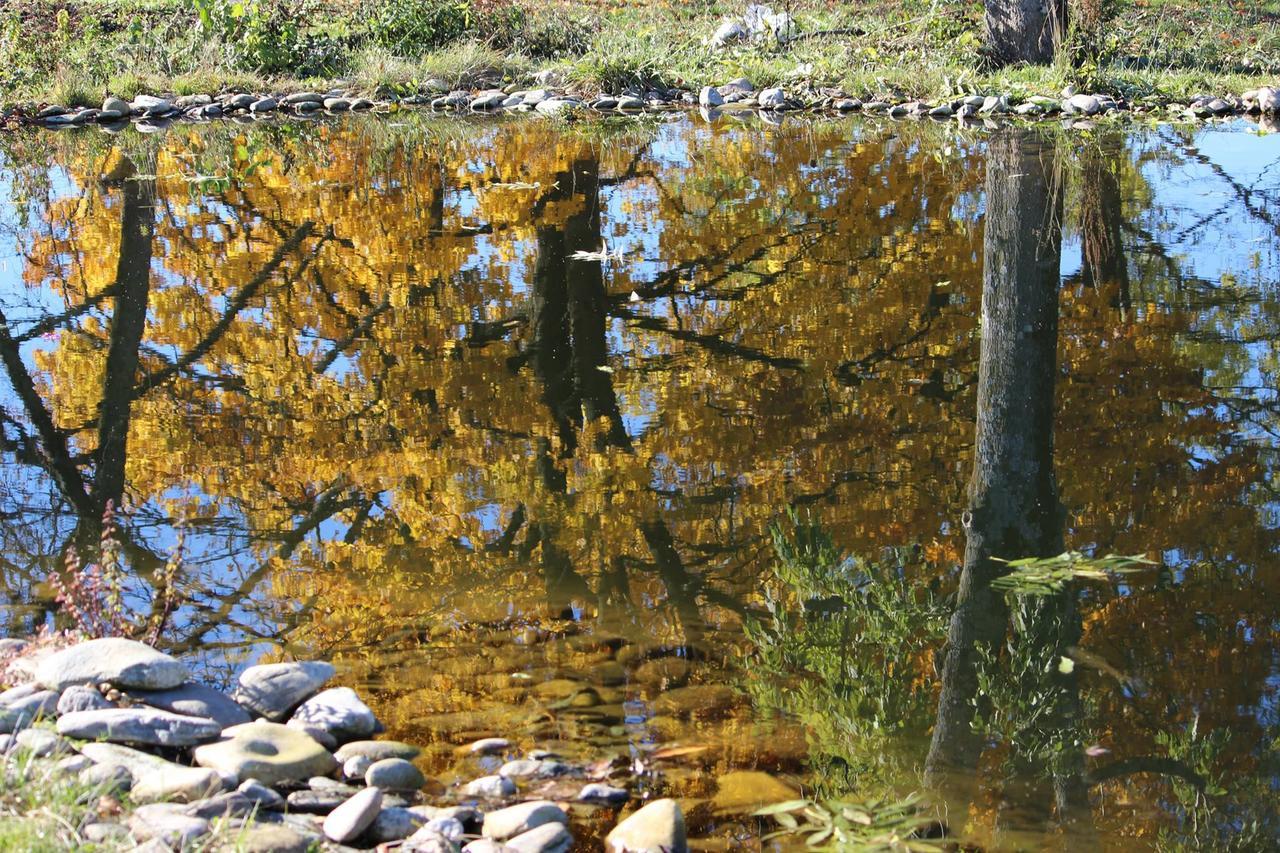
[(655, 439)]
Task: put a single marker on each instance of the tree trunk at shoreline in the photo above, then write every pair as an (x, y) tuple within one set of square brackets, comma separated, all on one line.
[(1013, 497), (1028, 31)]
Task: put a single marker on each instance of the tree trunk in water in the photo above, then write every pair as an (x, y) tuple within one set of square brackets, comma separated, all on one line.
[(1025, 30), (128, 322), (1013, 497)]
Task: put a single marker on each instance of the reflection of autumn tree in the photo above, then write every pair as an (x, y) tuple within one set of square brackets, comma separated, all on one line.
[(370, 352)]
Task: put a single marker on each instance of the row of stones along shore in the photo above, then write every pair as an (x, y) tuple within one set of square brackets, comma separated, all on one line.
[(280, 764), (151, 111)]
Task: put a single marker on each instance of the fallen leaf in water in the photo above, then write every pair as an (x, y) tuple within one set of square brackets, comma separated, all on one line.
[(677, 751), (1096, 750)]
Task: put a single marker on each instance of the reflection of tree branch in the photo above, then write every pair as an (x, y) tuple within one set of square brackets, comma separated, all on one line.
[(1146, 764), (53, 440), (713, 343), (236, 305)]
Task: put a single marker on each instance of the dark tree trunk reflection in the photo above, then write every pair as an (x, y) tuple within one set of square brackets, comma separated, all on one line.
[(128, 322), (1105, 267), (1013, 509)]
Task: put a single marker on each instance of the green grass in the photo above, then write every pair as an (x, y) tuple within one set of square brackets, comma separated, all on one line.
[(75, 51)]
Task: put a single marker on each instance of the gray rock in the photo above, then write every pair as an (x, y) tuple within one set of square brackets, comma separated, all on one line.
[(356, 766), (338, 711), (377, 750), (558, 106), (486, 845), (489, 746), (729, 32), (42, 743), (196, 700), (1029, 108), (105, 833), (73, 765), (395, 824), (353, 817), (847, 105), (228, 804), (12, 645), (324, 783), (176, 783), (361, 104), (138, 725), (266, 798), (446, 827), (299, 98), (394, 774), (318, 802), (19, 693), (79, 698), (548, 838), (122, 663), (710, 97), (600, 793), (515, 820), (269, 752), (772, 99), (656, 828), (165, 822), (488, 101), (188, 101), (429, 842), (490, 787), (239, 102), (605, 102), (317, 734), (38, 705), (52, 111), (337, 105), (629, 104), (267, 838), (263, 105), (942, 111), (1086, 104), (273, 690), (110, 777)]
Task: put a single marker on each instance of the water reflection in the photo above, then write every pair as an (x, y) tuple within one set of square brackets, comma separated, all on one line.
[(506, 433)]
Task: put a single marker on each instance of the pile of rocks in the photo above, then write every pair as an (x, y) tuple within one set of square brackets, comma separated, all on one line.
[(284, 761), (195, 107), (549, 96)]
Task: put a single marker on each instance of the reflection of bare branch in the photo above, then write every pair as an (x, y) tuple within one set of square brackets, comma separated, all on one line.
[(234, 307)]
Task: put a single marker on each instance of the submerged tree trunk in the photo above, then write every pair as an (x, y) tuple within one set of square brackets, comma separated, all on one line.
[(1025, 30), (1013, 498)]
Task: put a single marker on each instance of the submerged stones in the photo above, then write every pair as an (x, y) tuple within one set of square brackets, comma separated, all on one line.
[(656, 828), (117, 661), (268, 752), (514, 820)]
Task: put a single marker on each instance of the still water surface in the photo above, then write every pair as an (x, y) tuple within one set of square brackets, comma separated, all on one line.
[(512, 420)]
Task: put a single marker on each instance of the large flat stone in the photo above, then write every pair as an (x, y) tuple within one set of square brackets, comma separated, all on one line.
[(274, 689), (196, 700), (269, 752), (124, 663), (166, 822), (138, 725)]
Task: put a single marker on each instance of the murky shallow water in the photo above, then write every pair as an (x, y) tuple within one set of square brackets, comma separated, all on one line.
[(506, 418)]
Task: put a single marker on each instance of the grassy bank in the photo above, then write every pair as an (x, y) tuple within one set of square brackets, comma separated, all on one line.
[(76, 51)]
